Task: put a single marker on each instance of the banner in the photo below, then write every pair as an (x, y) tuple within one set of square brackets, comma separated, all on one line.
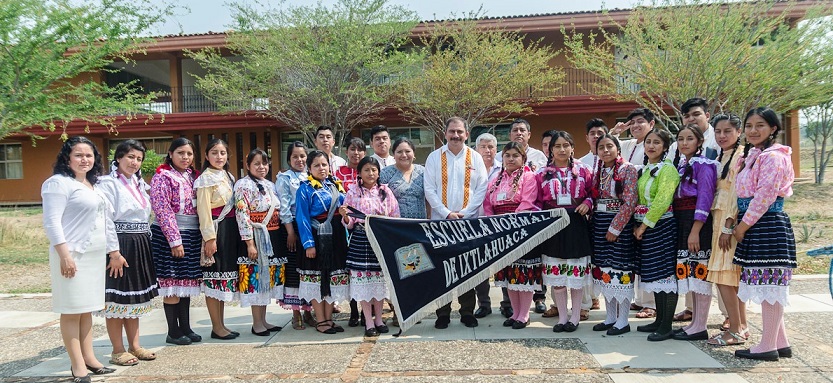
[(428, 263)]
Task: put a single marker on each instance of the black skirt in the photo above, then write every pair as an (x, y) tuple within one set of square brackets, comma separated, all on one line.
[(290, 274), (770, 242), (619, 255), (656, 252), (571, 243), (220, 279), (138, 284)]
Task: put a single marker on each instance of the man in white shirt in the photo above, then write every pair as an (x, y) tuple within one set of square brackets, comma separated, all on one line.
[(380, 141), (446, 171), (486, 145), (520, 132), (596, 128), (324, 141), (694, 112)]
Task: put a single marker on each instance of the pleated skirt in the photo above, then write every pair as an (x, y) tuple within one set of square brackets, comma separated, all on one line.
[(130, 295), (177, 277), (657, 257)]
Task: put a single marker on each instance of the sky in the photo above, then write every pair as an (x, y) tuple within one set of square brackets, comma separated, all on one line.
[(213, 15)]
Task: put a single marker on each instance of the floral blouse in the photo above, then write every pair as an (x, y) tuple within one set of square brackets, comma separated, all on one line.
[(523, 194), (248, 198), (657, 192), (369, 201), (172, 193), (701, 185), (768, 174), (214, 191), (627, 175), (577, 182), (409, 195)]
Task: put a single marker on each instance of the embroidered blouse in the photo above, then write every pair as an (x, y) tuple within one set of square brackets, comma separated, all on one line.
[(629, 198), (410, 196), (214, 191), (524, 194), (701, 184), (657, 192), (726, 197), (454, 194), (130, 202), (249, 199), (347, 175), (286, 187), (766, 176), (172, 193), (69, 214), (310, 203), (369, 201), (577, 182)]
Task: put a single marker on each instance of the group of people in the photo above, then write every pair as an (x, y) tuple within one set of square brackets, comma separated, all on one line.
[(649, 215)]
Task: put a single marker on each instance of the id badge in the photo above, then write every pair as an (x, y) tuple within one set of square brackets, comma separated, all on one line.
[(501, 196), (564, 200), (601, 207)]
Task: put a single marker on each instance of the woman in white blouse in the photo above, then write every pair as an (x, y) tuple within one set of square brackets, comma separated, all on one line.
[(129, 294), (76, 222)]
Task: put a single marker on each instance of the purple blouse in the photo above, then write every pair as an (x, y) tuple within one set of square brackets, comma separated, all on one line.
[(702, 184)]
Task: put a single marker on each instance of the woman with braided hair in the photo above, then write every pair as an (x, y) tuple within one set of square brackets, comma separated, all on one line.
[(722, 272), (766, 243), (566, 183), (657, 232), (614, 248), (692, 211), (515, 190)]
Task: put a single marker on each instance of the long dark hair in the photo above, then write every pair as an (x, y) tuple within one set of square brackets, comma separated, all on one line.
[(124, 148), (665, 137), (211, 144), (291, 148), (251, 157), (515, 181), (736, 123), (569, 138), (372, 162), (698, 134), (62, 162), (617, 179), (771, 118), (176, 144)]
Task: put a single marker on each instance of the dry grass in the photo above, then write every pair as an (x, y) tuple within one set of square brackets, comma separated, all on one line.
[(24, 251)]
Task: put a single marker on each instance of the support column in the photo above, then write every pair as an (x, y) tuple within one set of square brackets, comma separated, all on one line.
[(176, 84), (792, 138)]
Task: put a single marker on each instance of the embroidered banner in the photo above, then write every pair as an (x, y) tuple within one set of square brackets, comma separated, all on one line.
[(427, 263)]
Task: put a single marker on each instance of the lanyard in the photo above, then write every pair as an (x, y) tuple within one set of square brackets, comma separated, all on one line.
[(137, 194)]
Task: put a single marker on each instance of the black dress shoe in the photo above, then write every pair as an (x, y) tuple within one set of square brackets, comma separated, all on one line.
[(262, 333), (194, 337), (770, 356), (371, 332), (442, 322), (353, 322), (786, 352), (702, 335), (235, 333), (652, 327), (540, 307), (506, 312), (619, 331), (228, 336), (519, 325), (603, 326), (275, 328), (678, 330), (659, 337), (80, 379), (382, 329), (558, 328), (469, 321), (100, 370), (509, 322), (181, 341), (482, 312), (570, 327)]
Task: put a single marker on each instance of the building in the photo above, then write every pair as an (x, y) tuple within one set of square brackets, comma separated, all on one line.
[(166, 69)]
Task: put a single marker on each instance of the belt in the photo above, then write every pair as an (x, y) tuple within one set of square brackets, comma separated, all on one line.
[(777, 206), (685, 203), (610, 205), (641, 210), (132, 227)]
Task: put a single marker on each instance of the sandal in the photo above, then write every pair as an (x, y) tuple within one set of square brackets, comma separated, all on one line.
[(735, 340), (143, 353), (334, 326), (725, 325), (583, 314), (329, 329), (683, 316), (124, 359), (298, 322), (551, 312), (635, 307), (646, 312), (309, 320)]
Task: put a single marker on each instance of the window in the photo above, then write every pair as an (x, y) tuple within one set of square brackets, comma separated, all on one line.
[(11, 161), (500, 131), (160, 145), (422, 138)]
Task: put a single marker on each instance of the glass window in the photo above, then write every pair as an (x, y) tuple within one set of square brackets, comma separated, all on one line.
[(422, 138), (11, 161)]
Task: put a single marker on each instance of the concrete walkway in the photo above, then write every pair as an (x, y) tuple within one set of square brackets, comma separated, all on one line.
[(31, 350)]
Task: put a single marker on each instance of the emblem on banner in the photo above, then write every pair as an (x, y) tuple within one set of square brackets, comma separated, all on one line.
[(413, 260)]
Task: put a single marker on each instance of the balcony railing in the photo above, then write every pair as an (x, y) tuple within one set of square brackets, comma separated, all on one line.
[(189, 99)]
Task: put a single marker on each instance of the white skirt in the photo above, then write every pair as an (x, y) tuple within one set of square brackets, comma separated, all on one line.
[(83, 293)]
